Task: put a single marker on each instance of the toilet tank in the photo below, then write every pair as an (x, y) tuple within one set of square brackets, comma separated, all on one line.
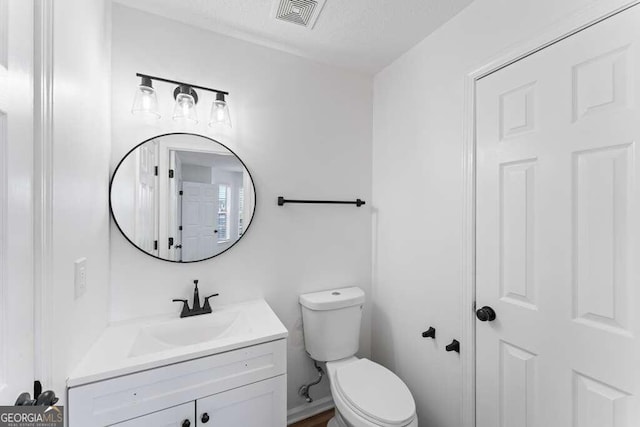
[(331, 323)]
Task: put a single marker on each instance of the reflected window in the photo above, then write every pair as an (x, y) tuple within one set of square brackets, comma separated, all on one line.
[(223, 212)]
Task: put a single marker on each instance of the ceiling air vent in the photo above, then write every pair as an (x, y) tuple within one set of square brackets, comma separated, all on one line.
[(301, 12)]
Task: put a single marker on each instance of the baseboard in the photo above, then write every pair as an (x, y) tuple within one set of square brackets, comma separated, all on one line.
[(308, 410)]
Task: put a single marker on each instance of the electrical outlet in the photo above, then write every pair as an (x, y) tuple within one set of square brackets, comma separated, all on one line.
[(80, 269)]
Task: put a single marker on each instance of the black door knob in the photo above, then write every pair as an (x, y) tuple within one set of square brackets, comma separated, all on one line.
[(205, 418), (186, 423), (485, 314)]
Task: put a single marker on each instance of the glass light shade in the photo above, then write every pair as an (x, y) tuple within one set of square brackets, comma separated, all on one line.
[(185, 108), (146, 102), (219, 112)]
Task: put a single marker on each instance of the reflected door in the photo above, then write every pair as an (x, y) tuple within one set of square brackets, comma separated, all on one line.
[(558, 234), (199, 220), (175, 208), (146, 207)]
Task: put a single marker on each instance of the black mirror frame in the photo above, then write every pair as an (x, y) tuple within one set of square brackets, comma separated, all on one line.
[(115, 171)]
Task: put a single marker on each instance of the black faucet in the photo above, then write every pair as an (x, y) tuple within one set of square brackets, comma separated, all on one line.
[(196, 309)]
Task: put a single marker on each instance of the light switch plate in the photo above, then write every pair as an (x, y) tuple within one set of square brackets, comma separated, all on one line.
[(80, 269)]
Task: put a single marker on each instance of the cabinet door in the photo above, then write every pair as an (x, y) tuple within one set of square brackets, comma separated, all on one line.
[(176, 416), (261, 404)]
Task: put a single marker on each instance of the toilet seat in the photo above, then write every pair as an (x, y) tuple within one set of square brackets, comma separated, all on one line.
[(375, 393)]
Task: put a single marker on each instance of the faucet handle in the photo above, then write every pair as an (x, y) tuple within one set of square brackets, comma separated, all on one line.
[(207, 306), (185, 306)]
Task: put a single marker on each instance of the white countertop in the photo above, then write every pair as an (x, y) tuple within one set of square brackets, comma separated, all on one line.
[(110, 356)]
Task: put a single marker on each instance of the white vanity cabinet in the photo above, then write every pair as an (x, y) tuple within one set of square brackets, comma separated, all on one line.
[(256, 405), (243, 387)]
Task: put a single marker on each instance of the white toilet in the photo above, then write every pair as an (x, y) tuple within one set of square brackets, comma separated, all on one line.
[(365, 394)]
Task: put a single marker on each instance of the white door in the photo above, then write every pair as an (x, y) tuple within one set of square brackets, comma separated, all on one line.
[(175, 207), (16, 194), (146, 209), (227, 220), (262, 404), (199, 220), (176, 416), (558, 233)]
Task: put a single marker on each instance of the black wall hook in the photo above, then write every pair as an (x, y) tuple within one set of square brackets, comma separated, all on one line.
[(454, 346), (429, 333)]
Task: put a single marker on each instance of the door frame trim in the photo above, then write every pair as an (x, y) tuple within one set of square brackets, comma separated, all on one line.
[(43, 191), (575, 23), (4, 284)]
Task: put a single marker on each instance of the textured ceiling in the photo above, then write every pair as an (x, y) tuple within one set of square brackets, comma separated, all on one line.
[(365, 35)]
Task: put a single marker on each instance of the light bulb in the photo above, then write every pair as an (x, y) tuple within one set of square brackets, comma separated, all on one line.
[(145, 101), (185, 108), (219, 112)]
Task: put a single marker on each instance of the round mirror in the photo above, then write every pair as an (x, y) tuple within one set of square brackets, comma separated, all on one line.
[(182, 197)]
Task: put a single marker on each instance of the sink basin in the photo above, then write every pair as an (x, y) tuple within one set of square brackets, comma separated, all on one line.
[(139, 344), (189, 331)]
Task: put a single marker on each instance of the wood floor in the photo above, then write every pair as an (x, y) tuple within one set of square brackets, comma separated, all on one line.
[(319, 420)]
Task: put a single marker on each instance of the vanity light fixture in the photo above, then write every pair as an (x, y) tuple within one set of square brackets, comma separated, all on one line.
[(186, 98), (146, 100)]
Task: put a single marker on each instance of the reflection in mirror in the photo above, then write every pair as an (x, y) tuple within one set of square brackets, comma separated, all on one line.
[(182, 197)]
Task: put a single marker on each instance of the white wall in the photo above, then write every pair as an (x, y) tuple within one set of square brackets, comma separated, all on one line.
[(196, 173), (417, 190), (304, 131), (81, 155)]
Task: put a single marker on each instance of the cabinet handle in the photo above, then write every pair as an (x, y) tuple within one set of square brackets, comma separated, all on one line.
[(186, 423), (205, 418)]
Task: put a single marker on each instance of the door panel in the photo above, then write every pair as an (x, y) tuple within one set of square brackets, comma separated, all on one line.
[(190, 220), (557, 235), (199, 213), (517, 388), (517, 280), (146, 210), (16, 199), (601, 286), (209, 212), (596, 404)]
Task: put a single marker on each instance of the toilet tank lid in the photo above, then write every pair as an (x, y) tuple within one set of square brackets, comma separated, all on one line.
[(333, 299)]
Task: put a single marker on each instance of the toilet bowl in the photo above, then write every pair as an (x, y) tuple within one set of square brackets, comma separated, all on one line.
[(365, 393)]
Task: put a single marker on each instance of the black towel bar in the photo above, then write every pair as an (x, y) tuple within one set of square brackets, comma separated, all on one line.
[(357, 202)]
